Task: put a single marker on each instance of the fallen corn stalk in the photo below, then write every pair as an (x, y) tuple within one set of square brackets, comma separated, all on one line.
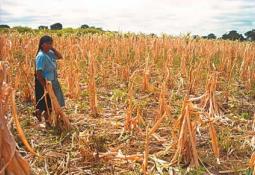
[(19, 129)]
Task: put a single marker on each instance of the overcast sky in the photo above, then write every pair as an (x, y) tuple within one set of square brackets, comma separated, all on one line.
[(149, 16)]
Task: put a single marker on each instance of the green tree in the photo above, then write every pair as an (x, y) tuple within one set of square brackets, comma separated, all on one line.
[(84, 26), (250, 35), (211, 36), (4, 26), (56, 26), (43, 27), (233, 35)]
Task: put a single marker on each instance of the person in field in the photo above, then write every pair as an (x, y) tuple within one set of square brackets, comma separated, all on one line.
[(46, 69)]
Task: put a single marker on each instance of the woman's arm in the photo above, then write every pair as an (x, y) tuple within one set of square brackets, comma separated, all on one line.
[(39, 76), (57, 53)]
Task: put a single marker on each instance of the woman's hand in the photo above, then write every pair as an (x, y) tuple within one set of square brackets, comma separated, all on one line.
[(57, 53)]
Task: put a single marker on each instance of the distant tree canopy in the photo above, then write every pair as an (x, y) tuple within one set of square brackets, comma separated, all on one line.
[(4, 26), (211, 36), (250, 35), (233, 35), (56, 26), (43, 27), (84, 26)]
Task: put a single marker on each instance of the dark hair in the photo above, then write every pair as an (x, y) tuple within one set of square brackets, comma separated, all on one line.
[(44, 39)]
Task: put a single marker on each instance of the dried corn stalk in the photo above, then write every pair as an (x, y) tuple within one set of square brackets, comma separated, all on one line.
[(58, 118), (208, 101), (11, 161), (157, 124), (186, 146), (73, 82), (214, 140), (163, 105), (128, 117), (19, 129), (92, 86), (146, 76), (252, 163)]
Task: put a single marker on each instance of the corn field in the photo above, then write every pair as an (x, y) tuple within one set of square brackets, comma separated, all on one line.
[(136, 105)]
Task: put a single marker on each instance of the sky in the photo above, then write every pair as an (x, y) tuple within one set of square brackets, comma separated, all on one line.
[(175, 17)]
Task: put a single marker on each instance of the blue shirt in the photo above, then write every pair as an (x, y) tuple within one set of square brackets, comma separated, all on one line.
[(46, 62)]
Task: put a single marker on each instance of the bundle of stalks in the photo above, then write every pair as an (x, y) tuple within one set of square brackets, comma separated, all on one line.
[(57, 117), (186, 146), (92, 86), (11, 161), (208, 101)]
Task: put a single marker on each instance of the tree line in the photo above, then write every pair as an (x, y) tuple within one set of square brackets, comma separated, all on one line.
[(231, 35), (234, 35)]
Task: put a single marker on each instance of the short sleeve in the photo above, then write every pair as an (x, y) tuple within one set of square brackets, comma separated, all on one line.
[(40, 62)]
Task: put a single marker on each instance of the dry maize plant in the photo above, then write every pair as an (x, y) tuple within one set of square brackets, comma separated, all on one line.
[(57, 117), (252, 163), (163, 98), (170, 68), (73, 81), (208, 102), (92, 86), (186, 146), (11, 161)]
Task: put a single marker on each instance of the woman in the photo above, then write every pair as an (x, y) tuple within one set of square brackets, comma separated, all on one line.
[(46, 69)]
